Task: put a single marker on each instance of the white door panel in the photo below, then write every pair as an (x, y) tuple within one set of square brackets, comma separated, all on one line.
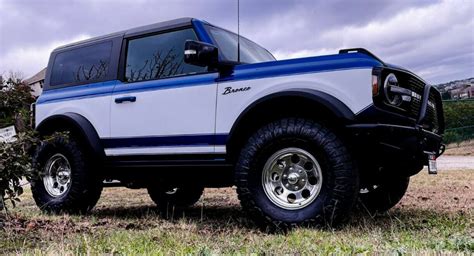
[(164, 112)]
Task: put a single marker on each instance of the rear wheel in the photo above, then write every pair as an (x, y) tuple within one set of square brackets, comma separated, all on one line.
[(67, 181), (295, 171), (170, 198), (384, 195)]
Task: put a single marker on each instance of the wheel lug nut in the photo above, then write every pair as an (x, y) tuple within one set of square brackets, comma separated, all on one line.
[(287, 185), (291, 169), (300, 171), (296, 187), (303, 180), (284, 176)]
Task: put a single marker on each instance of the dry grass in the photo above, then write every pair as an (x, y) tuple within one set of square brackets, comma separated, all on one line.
[(436, 216), (465, 148), (449, 191)]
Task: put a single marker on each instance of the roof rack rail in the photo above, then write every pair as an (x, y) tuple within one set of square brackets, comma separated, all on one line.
[(361, 50)]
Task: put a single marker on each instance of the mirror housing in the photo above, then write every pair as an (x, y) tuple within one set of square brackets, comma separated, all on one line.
[(200, 53)]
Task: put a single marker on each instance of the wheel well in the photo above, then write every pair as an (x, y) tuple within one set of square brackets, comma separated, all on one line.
[(78, 126), (276, 108)]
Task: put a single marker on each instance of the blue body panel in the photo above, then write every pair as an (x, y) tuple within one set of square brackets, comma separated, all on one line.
[(116, 87), (302, 65), (166, 141), (77, 92), (240, 72)]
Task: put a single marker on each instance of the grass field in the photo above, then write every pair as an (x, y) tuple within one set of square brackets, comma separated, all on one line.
[(436, 216)]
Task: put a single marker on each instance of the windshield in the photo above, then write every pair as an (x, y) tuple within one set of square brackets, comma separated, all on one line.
[(250, 52)]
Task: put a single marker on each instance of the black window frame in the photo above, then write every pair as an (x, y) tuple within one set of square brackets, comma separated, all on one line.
[(124, 53), (111, 72)]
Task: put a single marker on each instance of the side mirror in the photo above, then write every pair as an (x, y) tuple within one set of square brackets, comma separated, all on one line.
[(200, 53)]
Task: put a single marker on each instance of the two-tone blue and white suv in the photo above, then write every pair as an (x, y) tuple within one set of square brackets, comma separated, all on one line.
[(174, 107)]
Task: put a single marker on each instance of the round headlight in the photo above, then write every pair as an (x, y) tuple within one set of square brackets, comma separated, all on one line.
[(392, 98)]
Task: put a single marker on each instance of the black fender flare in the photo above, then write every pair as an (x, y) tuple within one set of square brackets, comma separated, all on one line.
[(337, 107), (77, 122)]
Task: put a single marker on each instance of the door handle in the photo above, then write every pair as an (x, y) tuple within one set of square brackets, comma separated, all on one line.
[(125, 99)]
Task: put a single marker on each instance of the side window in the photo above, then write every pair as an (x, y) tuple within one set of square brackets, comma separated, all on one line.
[(90, 63), (159, 56), (250, 52)]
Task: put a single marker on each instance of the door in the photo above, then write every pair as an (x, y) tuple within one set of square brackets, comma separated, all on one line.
[(163, 106)]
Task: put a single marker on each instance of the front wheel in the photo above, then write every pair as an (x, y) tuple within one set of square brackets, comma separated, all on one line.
[(295, 171)]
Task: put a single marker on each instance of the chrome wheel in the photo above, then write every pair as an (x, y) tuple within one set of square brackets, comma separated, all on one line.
[(292, 178), (57, 175)]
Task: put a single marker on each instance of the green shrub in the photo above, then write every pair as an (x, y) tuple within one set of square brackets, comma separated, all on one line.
[(459, 120), (15, 167), (15, 157)]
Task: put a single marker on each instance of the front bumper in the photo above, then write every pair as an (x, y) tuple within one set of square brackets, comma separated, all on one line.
[(388, 146)]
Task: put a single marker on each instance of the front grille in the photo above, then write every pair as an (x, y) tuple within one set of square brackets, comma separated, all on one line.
[(433, 119), (417, 87)]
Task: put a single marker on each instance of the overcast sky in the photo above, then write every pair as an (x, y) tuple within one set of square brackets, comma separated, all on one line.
[(433, 38)]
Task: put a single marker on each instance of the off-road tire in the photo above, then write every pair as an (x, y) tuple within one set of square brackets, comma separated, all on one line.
[(85, 188), (340, 177), (384, 196), (183, 197)]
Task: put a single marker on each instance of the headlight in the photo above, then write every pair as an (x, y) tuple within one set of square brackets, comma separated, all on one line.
[(392, 98)]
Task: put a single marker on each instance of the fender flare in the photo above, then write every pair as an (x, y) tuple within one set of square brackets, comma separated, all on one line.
[(337, 107), (80, 124)]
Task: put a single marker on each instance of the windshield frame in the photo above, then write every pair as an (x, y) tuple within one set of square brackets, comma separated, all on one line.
[(222, 57)]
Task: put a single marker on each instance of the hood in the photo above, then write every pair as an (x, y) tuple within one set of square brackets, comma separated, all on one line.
[(304, 65)]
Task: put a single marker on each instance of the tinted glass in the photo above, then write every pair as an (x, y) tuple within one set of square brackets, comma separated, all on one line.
[(90, 63), (250, 52), (159, 56)]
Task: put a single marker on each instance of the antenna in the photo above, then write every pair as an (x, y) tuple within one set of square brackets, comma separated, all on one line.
[(238, 31)]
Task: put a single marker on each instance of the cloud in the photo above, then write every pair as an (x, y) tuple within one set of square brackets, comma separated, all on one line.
[(435, 41), (32, 59), (434, 38)]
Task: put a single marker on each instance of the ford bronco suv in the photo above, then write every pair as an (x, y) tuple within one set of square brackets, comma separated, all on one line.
[(181, 105)]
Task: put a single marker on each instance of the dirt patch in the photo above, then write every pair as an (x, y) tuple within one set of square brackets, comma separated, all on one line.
[(20, 224), (450, 191)]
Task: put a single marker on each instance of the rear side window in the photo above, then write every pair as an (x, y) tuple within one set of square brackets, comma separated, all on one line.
[(85, 64), (159, 56)]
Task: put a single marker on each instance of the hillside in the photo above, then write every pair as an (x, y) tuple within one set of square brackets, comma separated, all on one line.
[(458, 89)]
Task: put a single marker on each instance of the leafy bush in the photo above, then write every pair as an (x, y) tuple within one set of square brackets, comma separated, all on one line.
[(15, 160), (459, 120), (15, 166)]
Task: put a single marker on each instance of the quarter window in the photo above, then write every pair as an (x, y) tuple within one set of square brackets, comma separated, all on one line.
[(90, 63), (159, 56)]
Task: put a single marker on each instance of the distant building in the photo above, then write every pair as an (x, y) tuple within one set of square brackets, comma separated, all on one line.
[(463, 93), (36, 82)]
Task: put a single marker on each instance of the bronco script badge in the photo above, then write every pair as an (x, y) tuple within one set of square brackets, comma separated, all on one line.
[(229, 90)]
